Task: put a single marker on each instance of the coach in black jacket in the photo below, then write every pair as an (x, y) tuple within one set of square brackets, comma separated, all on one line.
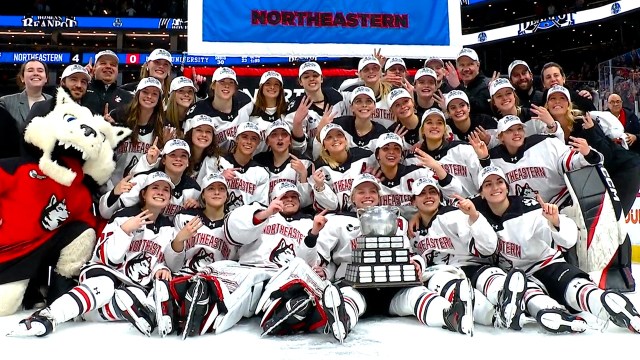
[(628, 119), (476, 85)]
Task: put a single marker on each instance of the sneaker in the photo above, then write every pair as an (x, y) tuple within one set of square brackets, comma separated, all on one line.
[(559, 321), (293, 312), (134, 311), (459, 317), (164, 307), (337, 319), (510, 305), (196, 303), (620, 310), (40, 323)]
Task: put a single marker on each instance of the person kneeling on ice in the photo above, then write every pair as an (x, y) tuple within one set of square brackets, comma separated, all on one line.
[(530, 233), (128, 256), (334, 248)]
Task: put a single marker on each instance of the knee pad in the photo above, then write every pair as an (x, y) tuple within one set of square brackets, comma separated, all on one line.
[(483, 278), (442, 283)]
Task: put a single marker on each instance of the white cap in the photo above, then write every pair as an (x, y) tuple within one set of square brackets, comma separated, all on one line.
[(516, 63), (175, 144), (149, 82), (394, 61), (278, 124), (224, 72), (499, 83), (270, 75), (247, 126), (107, 53), (433, 111), (455, 94), (366, 61), (198, 120), (388, 138), (422, 183), (282, 188), (364, 178), (215, 177), (425, 72), (472, 54), (309, 66), (157, 176), (558, 89), (331, 126), (160, 54), (74, 69), (181, 82), (489, 170), (433, 58), (396, 94), (362, 90), (506, 122)]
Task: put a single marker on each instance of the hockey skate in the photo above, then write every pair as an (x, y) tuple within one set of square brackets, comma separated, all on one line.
[(294, 311), (337, 319), (510, 305), (41, 323), (196, 303), (164, 307), (134, 311), (620, 310), (559, 321), (459, 317)]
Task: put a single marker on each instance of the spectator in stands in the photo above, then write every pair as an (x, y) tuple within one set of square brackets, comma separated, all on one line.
[(32, 78), (521, 78), (628, 119), (103, 94), (476, 85)]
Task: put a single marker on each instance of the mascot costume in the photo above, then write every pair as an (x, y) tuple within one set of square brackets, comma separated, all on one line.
[(47, 222)]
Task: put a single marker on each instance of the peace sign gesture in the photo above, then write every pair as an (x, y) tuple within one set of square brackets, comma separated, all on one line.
[(549, 211), (136, 222)]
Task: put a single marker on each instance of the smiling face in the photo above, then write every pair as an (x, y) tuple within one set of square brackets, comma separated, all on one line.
[(279, 141), (513, 137), (77, 85), (291, 203), (365, 195), (425, 87), (247, 142), (614, 103), (458, 110), (433, 127), (157, 195), (494, 189), (184, 97), (34, 75), (371, 74), (176, 162), (363, 107), (271, 89), (552, 76), (389, 155), (224, 89), (159, 69), (335, 142), (521, 78), (504, 100), (215, 195), (106, 69), (468, 68), (149, 97), (402, 108), (428, 201), (202, 136), (558, 104), (310, 81)]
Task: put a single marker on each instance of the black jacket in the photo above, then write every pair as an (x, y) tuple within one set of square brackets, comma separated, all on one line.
[(99, 94), (478, 92)]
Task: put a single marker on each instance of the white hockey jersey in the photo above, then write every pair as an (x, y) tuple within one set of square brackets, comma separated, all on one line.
[(128, 155), (271, 243), (450, 240), (208, 245), (526, 240), (135, 258), (397, 191), (539, 166), (366, 141), (285, 172), (186, 189), (382, 114)]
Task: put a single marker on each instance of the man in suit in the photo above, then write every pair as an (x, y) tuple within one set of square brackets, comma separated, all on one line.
[(628, 119)]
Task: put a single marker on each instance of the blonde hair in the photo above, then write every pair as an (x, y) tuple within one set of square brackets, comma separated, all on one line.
[(172, 114), (570, 116), (166, 83)]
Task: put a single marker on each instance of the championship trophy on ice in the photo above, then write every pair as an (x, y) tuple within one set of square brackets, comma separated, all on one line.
[(380, 258)]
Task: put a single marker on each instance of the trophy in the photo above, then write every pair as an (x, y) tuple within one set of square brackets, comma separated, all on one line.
[(380, 258)]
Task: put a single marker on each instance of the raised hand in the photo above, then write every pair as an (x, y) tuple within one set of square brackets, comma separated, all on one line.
[(580, 145), (468, 208), (425, 159), (451, 74), (189, 229), (191, 204), (541, 113), (154, 152), (230, 173), (401, 131), (327, 117), (549, 211), (483, 134), (106, 114), (496, 76), (124, 185), (479, 146), (137, 222), (318, 222), (318, 178), (302, 111), (89, 66), (169, 132), (377, 53), (439, 99), (298, 166), (585, 94), (588, 122), (274, 207)]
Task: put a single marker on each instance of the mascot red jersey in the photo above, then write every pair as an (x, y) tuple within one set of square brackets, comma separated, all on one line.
[(46, 206)]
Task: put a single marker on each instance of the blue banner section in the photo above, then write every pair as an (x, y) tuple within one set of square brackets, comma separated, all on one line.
[(74, 22), (410, 22), (49, 58)]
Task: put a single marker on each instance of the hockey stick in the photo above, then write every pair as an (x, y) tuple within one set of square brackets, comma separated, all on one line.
[(291, 313), (185, 331)]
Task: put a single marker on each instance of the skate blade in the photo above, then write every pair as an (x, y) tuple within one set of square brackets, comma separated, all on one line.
[(517, 284), (556, 324), (467, 295), (164, 328), (331, 300), (22, 331), (141, 324), (618, 305)]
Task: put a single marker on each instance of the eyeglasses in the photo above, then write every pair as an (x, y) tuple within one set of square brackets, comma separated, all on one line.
[(617, 102)]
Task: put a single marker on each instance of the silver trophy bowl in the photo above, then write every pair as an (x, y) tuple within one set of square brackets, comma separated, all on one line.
[(379, 220)]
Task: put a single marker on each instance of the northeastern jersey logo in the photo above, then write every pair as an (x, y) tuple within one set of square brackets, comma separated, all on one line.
[(234, 202), (139, 267), (282, 254), (54, 214), (201, 259), (526, 191)]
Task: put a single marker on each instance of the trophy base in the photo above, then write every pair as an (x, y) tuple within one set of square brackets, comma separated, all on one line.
[(381, 275)]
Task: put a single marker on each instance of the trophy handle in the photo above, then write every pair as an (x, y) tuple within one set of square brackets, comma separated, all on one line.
[(359, 212), (396, 210)]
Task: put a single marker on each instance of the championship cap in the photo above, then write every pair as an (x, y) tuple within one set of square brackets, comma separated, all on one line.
[(363, 90), (364, 178), (455, 94), (224, 72), (270, 75), (431, 59), (388, 138), (506, 122), (215, 177), (396, 94), (278, 124), (470, 53), (489, 170), (160, 54), (499, 83), (175, 144), (149, 82), (309, 66), (394, 61), (517, 63), (107, 53), (75, 69), (198, 120), (181, 82), (282, 188), (425, 72), (155, 177), (558, 89), (366, 61), (247, 126), (422, 183), (327, 128), (433, 111)]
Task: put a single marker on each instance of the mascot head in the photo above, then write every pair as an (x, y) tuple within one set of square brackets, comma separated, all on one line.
[(70, 134)]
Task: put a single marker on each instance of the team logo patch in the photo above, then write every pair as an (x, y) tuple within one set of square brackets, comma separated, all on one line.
[(526, 191), (34, 175), (282, 254), (201, 259), (54, 214), (234, 202), (138, 267)]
